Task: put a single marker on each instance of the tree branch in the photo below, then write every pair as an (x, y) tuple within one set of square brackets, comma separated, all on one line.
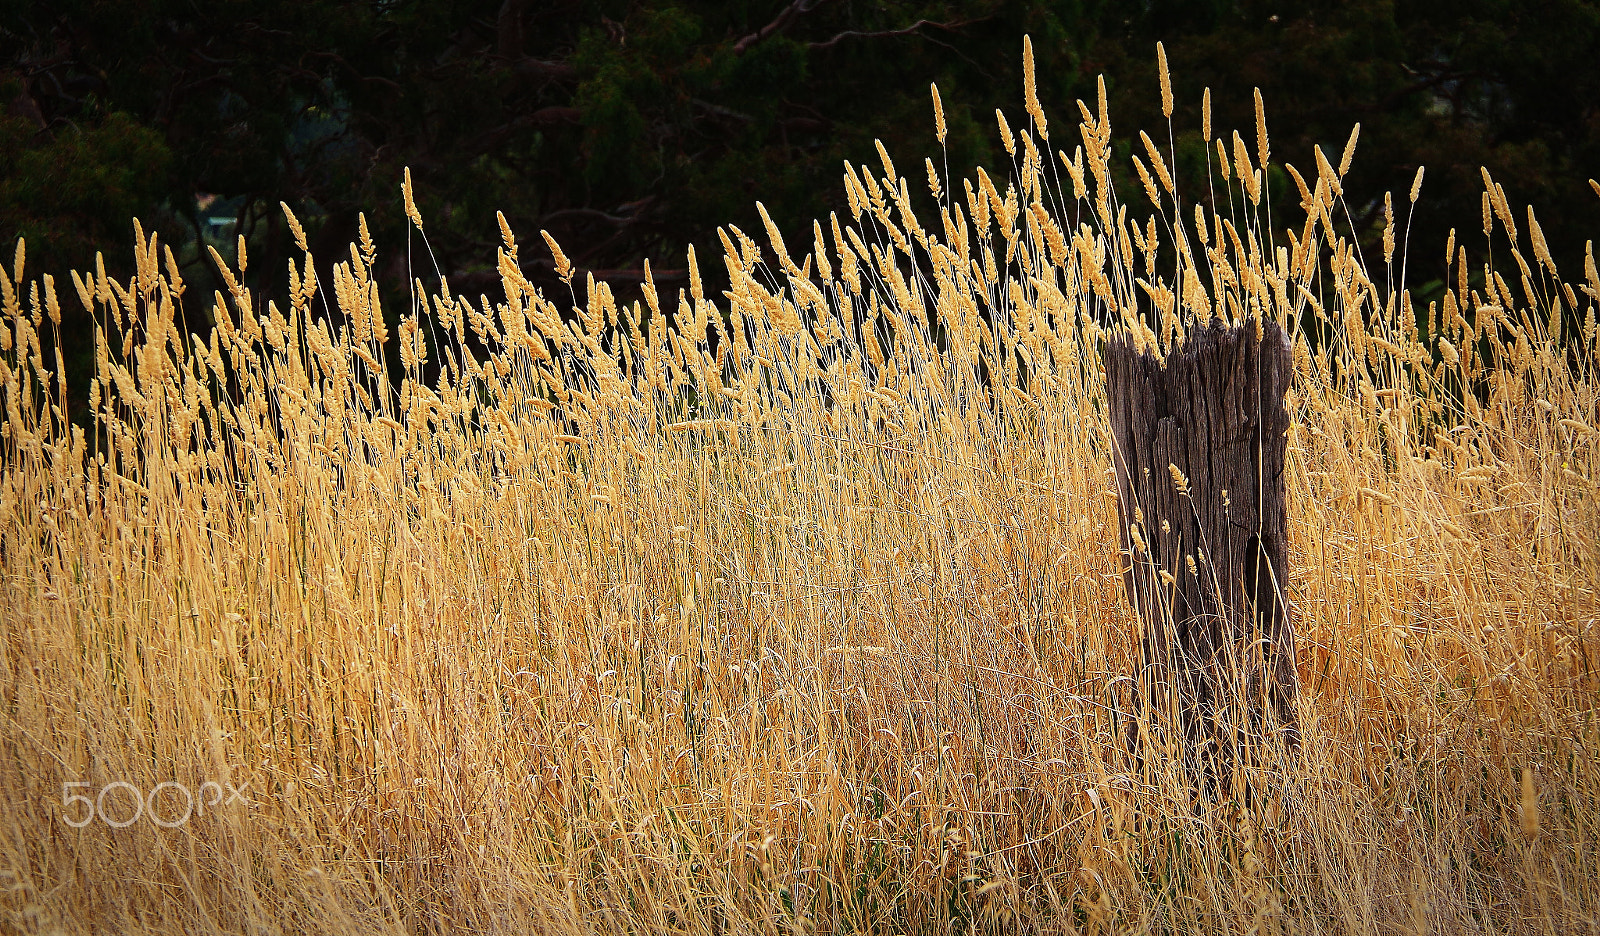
[(888, 33), (339, 60), (589, 213), (778, 24), (720, 111)]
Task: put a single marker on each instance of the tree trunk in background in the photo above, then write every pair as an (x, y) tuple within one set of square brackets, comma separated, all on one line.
[(1199, 442)]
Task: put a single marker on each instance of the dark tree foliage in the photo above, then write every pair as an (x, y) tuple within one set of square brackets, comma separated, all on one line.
[(632, 128)]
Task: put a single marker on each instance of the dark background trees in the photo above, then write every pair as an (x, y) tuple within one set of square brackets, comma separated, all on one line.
[(632, 128)]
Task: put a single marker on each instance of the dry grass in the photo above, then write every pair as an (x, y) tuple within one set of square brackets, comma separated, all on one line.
[(599, 632)]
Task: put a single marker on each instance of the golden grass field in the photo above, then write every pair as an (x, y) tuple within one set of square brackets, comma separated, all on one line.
[(599, 632)]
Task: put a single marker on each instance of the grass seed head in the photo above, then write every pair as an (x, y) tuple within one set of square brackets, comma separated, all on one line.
[(1166, 81)]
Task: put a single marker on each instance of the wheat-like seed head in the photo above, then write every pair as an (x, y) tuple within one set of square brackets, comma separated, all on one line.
[(1030, 93), (1246, 172), (889, 175), (507, 238), (1325, 174), (775, 236), (1388, 228), (1006, 138), (1307, 201), (53, 309), (295, 230), (1263, 146), (1149, 183), (411, 204), (1496, 199), (1156, 161), (1179, 480), (1166, 81), (1541, 250), (1349, 151), (563, 265)]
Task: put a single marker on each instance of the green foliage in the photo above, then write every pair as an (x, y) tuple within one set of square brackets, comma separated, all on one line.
[(72, 192)]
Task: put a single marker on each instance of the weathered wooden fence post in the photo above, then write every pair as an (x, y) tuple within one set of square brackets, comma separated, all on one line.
[(1199, 445)]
